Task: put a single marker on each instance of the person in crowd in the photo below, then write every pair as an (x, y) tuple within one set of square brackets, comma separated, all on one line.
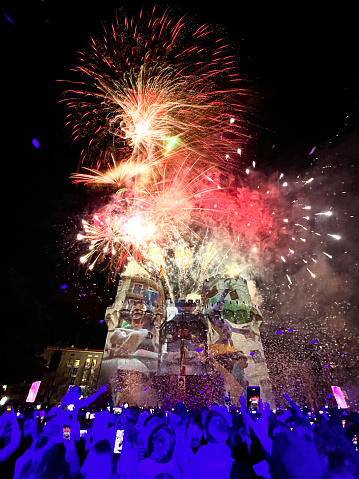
[(174, 445), (73, 402), (214, 458), (99, 462), (53, 464), (10, 439), (160, 450), (30, 460)]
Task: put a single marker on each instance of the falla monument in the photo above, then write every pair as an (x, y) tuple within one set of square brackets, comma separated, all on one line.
[(202, 349)]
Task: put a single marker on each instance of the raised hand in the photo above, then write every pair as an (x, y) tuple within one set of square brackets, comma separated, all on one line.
[(295, 408), (102, 389), (260, 426)]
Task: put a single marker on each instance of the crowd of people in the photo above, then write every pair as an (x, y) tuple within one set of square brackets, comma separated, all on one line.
[(222, 442)]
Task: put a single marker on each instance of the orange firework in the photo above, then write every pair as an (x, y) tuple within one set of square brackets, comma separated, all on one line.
[(157, 86)]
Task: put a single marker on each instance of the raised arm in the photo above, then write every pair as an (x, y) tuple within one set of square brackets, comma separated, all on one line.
[(15, 437), (86, 401)]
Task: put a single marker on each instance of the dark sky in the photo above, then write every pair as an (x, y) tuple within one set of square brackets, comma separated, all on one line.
[(301, 68)]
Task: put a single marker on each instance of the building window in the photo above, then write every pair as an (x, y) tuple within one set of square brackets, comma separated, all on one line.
[(137, 288), (93, 366)]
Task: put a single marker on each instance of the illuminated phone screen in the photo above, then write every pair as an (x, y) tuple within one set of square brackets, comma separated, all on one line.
[(66, 431), (253, 397), (118, 441)]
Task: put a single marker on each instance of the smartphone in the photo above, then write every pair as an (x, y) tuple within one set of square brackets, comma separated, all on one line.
[(117, 410), (355, 441), (66, 432), (9, 408), (253, 397), (83, 432), (118, 441)]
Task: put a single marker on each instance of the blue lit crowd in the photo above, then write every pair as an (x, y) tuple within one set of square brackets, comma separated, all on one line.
[(74, 441)]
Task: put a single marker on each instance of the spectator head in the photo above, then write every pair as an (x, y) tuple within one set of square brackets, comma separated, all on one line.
[(302, 427), (295, 456), (73, 394), (181, 410), (175, 420), (141, 420), (340, 467), (53, 464), (131, 415), (98, 462), (193, 434), (161, 443), (228, 418), (31, 429), (102, 447), (204, 413), (148, 426), (101, 420), (216, 430)]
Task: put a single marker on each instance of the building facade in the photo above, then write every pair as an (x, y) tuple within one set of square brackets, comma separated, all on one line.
[(68, 367)]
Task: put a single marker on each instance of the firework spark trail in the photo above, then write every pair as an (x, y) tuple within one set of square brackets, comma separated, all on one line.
[(149, 87), (117, 174)]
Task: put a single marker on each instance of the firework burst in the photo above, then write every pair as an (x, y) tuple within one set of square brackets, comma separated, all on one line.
[(163, 214), (149, 91)]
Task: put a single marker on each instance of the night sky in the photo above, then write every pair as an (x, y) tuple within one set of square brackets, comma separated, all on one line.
[(302, 75)]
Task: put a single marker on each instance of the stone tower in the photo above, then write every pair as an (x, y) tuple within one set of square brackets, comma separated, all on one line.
[(130, 355), (234, 325)]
